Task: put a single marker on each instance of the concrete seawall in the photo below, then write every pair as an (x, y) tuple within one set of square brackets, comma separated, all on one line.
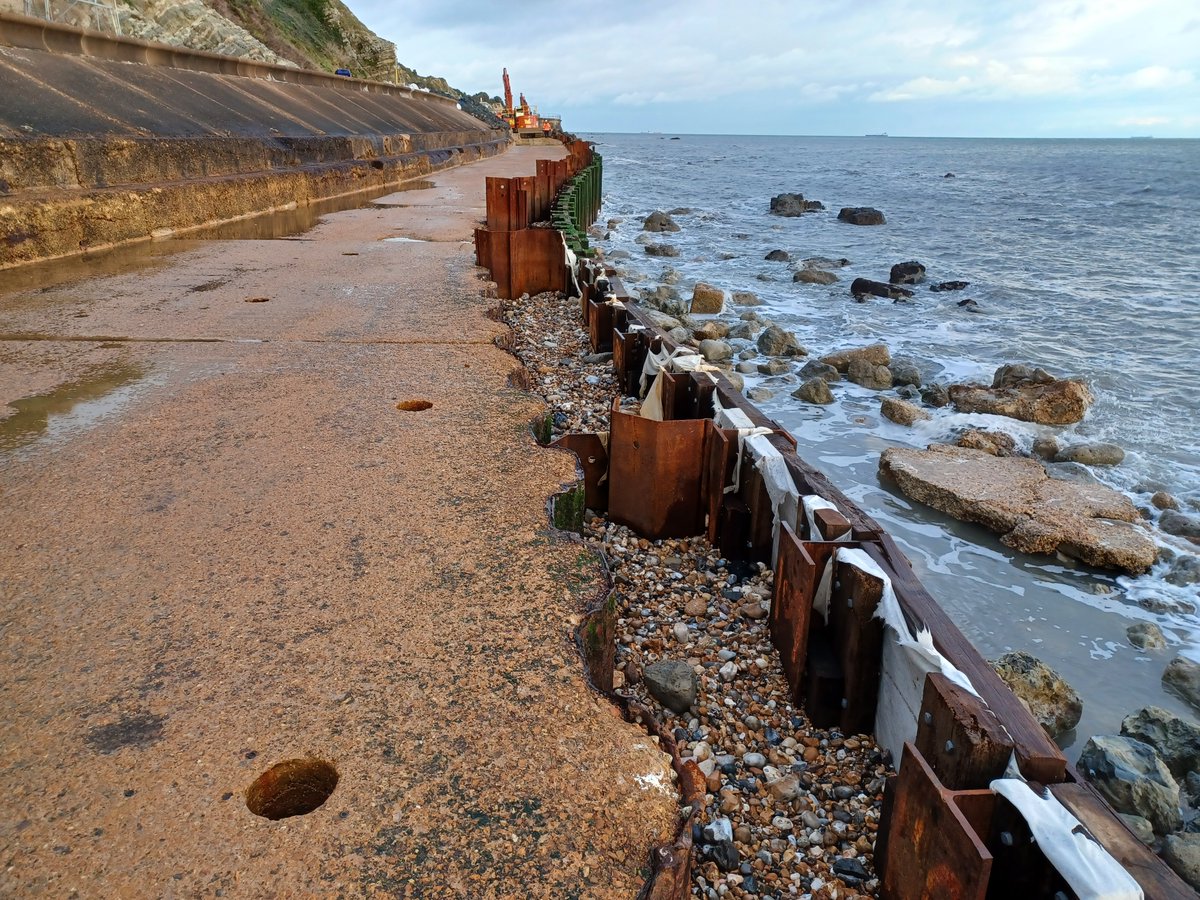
[(105, 141)]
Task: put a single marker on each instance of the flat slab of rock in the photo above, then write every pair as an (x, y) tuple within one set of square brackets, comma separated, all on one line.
[(1016, 497), (1061, 402)]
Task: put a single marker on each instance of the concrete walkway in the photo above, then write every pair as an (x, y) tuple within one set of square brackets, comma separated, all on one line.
[(223, 546)]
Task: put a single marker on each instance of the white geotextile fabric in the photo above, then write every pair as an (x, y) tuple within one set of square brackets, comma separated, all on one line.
[(1092, 873), (906, 662), (572, 264), (813, 502), (1087, 867), (681, 359)]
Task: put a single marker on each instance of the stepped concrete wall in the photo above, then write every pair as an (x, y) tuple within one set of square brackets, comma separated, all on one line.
[(106, 140)]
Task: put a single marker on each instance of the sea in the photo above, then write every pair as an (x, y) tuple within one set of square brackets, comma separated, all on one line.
[(1083, 257)]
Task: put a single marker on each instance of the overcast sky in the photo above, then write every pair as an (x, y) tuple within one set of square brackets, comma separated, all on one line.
[(916, 67)]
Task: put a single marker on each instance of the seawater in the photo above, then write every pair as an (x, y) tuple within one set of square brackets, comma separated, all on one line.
[(1084, 256)]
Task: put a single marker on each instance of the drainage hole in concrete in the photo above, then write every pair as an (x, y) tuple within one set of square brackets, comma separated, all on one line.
[(293, 787), (258, 299), (414, 405)]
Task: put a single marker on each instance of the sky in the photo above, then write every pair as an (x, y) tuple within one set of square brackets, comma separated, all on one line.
[(972, 68)]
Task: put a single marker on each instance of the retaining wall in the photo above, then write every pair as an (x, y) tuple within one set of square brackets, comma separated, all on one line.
[(108, 140)]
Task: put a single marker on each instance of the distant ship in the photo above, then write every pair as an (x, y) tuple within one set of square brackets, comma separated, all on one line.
[(881, 134), (1141, 137)]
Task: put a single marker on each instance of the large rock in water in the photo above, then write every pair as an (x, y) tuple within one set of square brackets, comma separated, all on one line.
[(1055, 402), (861, 215), (1176, 740), (814, 276), (1133, 779), (707, 300), (875, 354), (1016, 497), (774, 341), (1182, 853), (910, 272), (865, 287), (1053, 702), (793, 205), (659, 221), (1182, 676), (672, 683)]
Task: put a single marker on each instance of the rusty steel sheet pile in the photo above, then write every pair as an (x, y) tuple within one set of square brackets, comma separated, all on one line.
[(863, 645)]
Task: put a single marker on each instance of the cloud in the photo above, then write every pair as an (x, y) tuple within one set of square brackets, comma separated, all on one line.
[(820, 57)]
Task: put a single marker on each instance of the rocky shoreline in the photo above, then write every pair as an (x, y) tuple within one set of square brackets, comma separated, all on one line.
[(790, 810)]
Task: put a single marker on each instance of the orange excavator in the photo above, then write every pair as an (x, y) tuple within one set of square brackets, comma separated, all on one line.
[(522, 119)]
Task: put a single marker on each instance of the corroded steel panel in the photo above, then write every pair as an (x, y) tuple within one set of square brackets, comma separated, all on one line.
[(655, 474)]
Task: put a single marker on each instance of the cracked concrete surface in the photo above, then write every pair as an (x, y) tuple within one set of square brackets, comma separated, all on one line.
[(223, 546)]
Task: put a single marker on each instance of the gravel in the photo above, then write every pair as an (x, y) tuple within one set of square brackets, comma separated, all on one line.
[(791, 810)]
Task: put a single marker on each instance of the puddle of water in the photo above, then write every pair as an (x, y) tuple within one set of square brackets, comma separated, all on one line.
[(69, 407), (404, 240)]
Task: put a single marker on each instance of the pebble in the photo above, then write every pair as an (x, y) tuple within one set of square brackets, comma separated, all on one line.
[(681, 632)]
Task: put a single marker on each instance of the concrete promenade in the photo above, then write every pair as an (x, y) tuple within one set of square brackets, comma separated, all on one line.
[(222, 546)]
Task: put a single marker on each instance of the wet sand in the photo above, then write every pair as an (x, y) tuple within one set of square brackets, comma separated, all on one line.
[(223, 546)]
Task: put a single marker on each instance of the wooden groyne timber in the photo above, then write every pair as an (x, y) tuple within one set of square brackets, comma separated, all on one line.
[(104, 140), (864, 646)]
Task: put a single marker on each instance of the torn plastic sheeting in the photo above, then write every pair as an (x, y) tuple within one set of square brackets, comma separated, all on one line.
[(785, 498), (681, 359), (906, 661), (1078, 857)]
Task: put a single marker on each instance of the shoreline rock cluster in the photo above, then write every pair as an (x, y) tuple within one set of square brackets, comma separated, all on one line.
[(791, 810)]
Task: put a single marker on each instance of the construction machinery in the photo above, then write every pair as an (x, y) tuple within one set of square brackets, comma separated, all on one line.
[(522, 119)]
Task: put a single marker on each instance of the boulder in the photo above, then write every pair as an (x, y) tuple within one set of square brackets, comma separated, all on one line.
[(813, 276), (659, 221), (1015, 374), (997, 443), (1053, 702), (950, 286), (1053, 402), (861, 215), (716, 351), (861, 372), (673, 683), (824, 262), (778, 256), (707, 300), (1179, 524), (1182, 853), (905, 371), (712, 330), (744, 331), (865, 287), (1163, 500), (816, 369), (911, 272), (1097, 453), (774, 367), (1016, 497), (901, 411), (736, 380), (815, 390), (1182, 677), (661, 250), (760, 394), (906, 391), (1167, 605), (970, 306), (774, 341), (792, 205), (936, 395), (746, 298), (661, 320), (1176, 739), (1133, 778), (1184, 570), (1046, 447), (1145, 636), (875, 354)]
